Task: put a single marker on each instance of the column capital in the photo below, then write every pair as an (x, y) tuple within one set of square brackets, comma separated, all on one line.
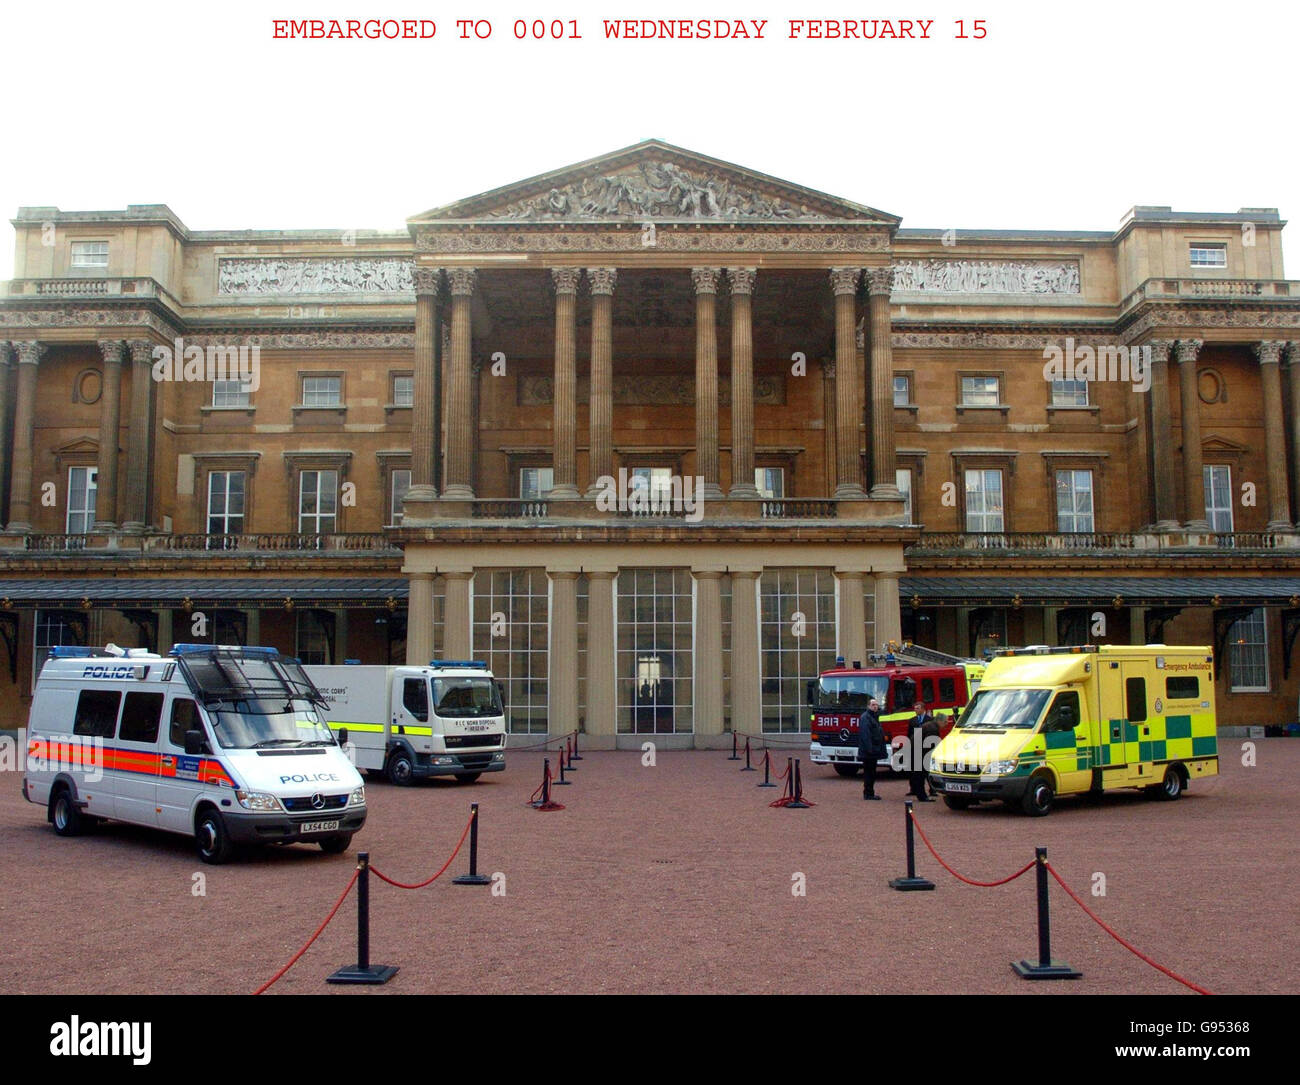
[(566, 279), (113, 350), (600, 574), (1160, 349), (29, 351), (1269, 351), (707, 574), (880, 280), (460, 280), (705, 279), (742, 279), (5, 351), (1186, 350), (601, 280), (1293, 352), (426, 280), (844, 280), (563, 574), (141, 350)]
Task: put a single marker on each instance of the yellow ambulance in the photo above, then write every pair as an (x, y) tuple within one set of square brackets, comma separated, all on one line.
[(1082, 720)]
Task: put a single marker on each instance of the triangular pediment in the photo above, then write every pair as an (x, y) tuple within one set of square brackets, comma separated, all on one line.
[(1214, 443), (655, 181), (82, 446)]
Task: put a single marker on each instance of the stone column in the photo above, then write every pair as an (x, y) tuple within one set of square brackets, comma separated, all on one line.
[(459, 483), (1161, 437), (706, 379), (419, 620), (562, 655), (742, 382), (746, 703), (601, 401), (889, 619), (602, 710), (253, 622), (6, 430), (884, 477), (848, 473), (1186, 351), (457, 640), (166, 638), (564, 425), (708, 654), (1269, 353), (851, 636), (1293, 384), (139, 450), (110, 417), (426, 412), (828, 425), (20, 492)]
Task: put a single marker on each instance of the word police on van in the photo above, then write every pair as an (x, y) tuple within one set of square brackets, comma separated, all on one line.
[(221, 742)]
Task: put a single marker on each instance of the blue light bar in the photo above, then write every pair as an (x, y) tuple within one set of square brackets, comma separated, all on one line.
[(192, 649), (449, 663), (70, 651)]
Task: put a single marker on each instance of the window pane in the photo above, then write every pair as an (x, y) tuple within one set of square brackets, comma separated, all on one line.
[(979, 391), (1248, 652), (902, 391)]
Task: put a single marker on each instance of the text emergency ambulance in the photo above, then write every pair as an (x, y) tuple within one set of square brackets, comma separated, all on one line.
[(1062, 721), (223, 742), (445, 719)]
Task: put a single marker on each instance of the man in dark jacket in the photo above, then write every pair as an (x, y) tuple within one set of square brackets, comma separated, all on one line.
[(924, 727), (871, 746)]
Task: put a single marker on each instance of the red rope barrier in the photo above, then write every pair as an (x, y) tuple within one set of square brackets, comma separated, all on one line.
[(1132, 949), (540, 745), (430, 881), (294, 959), (961, 877)]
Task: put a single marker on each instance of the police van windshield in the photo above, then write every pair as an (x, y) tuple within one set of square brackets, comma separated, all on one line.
[(850, 692), (1017, 709), (259, 726), (466, 697)]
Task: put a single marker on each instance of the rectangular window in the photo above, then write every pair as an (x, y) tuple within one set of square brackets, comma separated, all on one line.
[(984, 508), (403, 391), (318, 502), (185, 717), (90, 254), (511, 633), (1186, 688), (535, 482), (97, 713), (947, 691), (322, 391), (902, 390), (1135, 698), (140, 717), (903, 475), (1069, 393), (82, 482), (52, 630), (1248, 653), (1074, 501), (656, 482), (1206, 254), (415, 698), (1218, 497), (797, 641), (401, 482), (226, 502), (980, 392), (770, 482), (312, 639), (230, 393), (654, 652)]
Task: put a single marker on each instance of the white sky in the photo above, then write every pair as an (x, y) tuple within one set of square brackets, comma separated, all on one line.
[(1063, 117)]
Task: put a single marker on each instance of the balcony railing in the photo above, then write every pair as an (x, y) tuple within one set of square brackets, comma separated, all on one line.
[(1101, 541), (274, 542), (509, 510), (1212, 288), (54, 543), (797, 508)]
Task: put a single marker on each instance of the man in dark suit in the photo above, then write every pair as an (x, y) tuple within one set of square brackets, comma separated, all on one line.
[(924, 727), (871, 746)]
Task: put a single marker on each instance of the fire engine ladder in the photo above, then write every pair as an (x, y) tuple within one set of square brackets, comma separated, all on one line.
[(916, 654)]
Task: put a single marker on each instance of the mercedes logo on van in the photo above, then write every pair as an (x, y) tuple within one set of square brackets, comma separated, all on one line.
[(318, 801), (844, 734)]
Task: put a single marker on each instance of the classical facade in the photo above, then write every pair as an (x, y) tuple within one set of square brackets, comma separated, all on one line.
[(656, 436)]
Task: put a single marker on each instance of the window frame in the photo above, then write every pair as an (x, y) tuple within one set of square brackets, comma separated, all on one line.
[(1057, 472), (983, 469), (999, 380), (82, 244), (208, 516), (318, 471), (1207, 470), (393, 378), (331, 375), (1261, 645), (1220, 247), (91, 488)]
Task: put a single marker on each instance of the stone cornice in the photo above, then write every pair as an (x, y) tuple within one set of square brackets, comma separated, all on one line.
[(604, 239)]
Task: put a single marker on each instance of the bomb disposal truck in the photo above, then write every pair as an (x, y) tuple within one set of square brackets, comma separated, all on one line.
[(407, 723), (1082, 720), (223, 742)]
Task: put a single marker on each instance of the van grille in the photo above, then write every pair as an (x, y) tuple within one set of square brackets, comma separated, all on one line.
[(456, 742), (476, 761), (302, 803)]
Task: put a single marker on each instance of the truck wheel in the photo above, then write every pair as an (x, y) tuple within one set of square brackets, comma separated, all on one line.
[(1039, 797), (957, 802), (211, 838), (334, 845), (1171, 787), (467, 777), (400, 770), (64, 814), (847, 770)]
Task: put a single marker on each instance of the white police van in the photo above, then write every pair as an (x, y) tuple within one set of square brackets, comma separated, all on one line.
[(221, 742)]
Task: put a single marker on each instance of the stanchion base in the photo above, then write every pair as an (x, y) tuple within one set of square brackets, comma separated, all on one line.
[(733, 757), (765, 785), (561, 783), (749, 768), (796, 805), (910, 885), (1054, 971), (546, 806), (472, 879), (375, 974), (577, 757)]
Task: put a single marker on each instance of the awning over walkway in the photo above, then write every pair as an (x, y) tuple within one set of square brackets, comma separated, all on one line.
[(158, 592), (1066, 591)]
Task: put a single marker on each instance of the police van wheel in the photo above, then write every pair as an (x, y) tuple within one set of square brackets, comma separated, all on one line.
[(847, 770), (64, 814), (211, 838), (400, 770), (957, 802), (1171, 787), (334, 845), (1039, 797)]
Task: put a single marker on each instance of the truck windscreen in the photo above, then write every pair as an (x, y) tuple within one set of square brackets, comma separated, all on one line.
[(1004, 708), (466, 697), (850, 692)]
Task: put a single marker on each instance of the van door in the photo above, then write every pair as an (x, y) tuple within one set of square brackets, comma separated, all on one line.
[(411, 717), (91, 751), (136, 757), (1124, 713), (1065, 738), (178, 776)]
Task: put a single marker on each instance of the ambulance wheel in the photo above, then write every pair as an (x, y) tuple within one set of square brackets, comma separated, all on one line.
[(64, 814), (847, 770), (957, 802), (1039, 797), (1171, 787), (400, 770), (467, 777), (211, 838), (334, 845)]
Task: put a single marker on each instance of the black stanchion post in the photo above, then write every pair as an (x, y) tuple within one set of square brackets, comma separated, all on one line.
[(473, 877), (562, 782), (1046, 968), (734, 755), (798, 803), (363, 971), (767, 769), (576, 756), (748, 767), (911, 883)]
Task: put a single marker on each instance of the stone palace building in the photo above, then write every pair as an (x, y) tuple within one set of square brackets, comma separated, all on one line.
[(657, 437)]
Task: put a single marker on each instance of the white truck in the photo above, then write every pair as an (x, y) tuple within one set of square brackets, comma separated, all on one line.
[(407, 723)]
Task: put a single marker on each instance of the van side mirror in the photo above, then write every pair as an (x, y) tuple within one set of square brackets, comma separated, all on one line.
[(193, 742), (343, 736), (810, 691)]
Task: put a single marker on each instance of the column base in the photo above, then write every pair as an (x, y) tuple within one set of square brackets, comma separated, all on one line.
[(743, 491), (562, 493), (849, 491), (1164, 527), (596, 490), (107, 527), (458, 492), (711, 491), (18, 527), (1198, 527), (1278, 527), (133, 527), (886, 491)]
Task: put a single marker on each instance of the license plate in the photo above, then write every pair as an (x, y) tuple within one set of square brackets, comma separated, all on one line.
[(318, 826), (956, 787)]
